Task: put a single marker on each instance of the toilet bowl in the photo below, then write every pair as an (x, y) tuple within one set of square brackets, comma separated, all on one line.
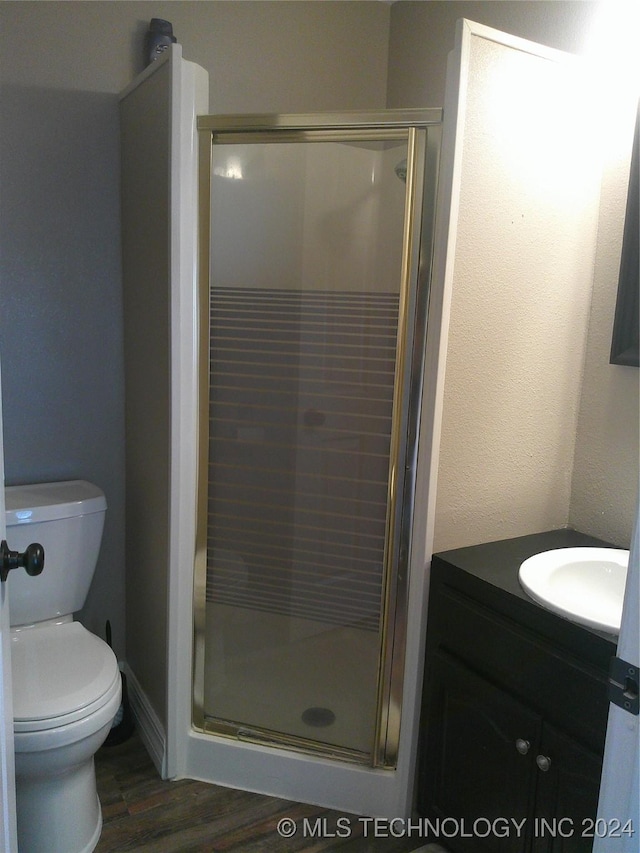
[(66, 689), (66, 681)]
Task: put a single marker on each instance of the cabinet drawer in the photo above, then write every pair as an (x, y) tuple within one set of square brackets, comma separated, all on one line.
[(565, 690)]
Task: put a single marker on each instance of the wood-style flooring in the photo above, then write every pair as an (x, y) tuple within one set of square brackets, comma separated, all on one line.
[(143, 813)]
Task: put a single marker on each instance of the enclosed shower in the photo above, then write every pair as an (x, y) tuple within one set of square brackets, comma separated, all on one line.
[(281, 348), (316, 240)]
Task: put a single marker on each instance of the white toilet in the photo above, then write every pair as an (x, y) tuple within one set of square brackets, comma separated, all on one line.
[(66, 681)]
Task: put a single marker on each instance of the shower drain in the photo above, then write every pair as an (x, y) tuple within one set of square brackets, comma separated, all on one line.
[(318, 717)]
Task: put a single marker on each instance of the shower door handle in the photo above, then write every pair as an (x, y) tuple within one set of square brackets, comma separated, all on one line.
[(32, 560)]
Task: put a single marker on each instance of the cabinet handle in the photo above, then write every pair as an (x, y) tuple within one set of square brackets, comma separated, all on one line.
[(522, 746), (543, 762)]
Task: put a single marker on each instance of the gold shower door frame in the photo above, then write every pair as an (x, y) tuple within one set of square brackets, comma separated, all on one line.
[(421, 129)]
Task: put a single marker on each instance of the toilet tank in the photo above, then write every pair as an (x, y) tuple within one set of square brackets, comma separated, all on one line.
[(67, 520)]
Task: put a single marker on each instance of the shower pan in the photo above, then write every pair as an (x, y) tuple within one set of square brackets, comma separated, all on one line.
[(316, 236)]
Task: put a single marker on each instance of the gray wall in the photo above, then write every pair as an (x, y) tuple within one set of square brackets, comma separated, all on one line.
[(62, 66), (60, 296), (422, 34), (145, 120)]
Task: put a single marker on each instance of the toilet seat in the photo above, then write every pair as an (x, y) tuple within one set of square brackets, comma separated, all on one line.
[(61, 674)]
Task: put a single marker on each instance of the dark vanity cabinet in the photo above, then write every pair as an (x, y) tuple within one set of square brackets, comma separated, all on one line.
[(514, 710)]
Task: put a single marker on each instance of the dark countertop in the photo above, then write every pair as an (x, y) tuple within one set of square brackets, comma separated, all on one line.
[(498, 562), (490, 571)]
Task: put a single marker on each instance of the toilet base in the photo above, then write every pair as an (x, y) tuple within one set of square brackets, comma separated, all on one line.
[(59, 813), (56, 796)]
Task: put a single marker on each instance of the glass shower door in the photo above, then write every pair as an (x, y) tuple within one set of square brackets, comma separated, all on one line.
[(304, 436)]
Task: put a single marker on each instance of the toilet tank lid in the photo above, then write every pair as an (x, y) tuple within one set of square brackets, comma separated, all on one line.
[(35, 502)]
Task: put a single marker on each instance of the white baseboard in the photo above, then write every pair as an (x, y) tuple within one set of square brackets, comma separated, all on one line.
[(151, 730)]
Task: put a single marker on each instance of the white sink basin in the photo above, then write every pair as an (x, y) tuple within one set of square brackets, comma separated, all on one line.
[(585, 585)]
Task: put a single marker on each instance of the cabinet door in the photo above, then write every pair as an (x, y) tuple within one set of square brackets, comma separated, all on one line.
[(568, 782), (479, 769)]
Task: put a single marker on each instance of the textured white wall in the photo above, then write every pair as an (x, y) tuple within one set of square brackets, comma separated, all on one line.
[(605, 471), (521, 293), (595, 489)]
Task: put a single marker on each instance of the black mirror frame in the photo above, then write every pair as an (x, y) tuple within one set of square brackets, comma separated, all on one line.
[(624, 345)]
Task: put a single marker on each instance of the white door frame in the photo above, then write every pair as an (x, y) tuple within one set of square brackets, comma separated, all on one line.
[(8, 831), (619, 790)]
